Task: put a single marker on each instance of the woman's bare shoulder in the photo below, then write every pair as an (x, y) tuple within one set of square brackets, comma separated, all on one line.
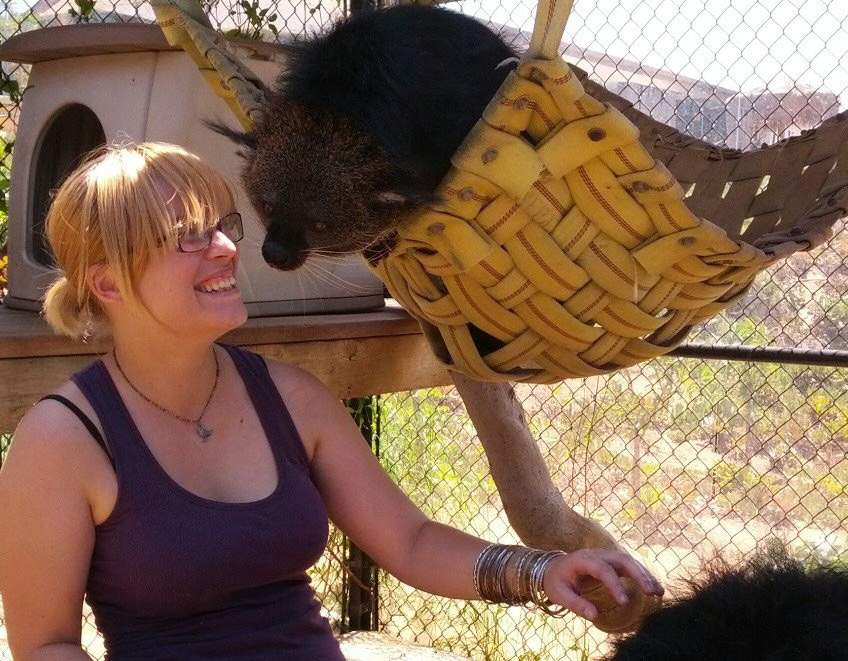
[(51, 439), (295, 381), (309, 402)]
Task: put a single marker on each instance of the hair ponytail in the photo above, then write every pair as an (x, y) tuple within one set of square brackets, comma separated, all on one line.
[(65, 313)]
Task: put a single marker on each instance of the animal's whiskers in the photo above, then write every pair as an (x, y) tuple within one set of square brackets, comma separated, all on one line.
[(337, 257), (329, 278), (299, 275)]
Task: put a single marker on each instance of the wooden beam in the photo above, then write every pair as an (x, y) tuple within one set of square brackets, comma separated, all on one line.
[(365, 366), (350, 367), (26, 335)]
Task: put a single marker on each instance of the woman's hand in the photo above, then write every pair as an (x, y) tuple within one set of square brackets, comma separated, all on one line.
[(567, 577)]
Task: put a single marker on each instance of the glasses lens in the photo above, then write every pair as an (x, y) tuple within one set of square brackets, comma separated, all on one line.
[(231, 226), (195, 242)]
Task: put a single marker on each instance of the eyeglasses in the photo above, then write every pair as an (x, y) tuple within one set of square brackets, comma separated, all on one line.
[(230, 226)]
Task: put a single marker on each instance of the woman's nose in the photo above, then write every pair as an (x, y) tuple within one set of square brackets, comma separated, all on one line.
[(221, 245)]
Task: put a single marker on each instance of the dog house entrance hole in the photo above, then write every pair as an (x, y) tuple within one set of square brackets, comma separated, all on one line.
[(73, 132)]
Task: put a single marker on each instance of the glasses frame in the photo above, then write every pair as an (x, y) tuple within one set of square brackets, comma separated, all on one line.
[(210, 233)]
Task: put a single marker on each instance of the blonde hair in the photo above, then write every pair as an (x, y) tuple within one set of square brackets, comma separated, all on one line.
[(121, 206)]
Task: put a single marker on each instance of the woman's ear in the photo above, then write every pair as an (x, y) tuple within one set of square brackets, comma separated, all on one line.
[(101, 281)]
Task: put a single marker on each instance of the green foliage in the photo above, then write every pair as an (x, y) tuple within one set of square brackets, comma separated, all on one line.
[(429, 447), (257, 20), (650, 495), (838, 312), (84, 11), (832, 486), (10, 87), (750, 332), (5, 442), (5, 178), (697, 455)]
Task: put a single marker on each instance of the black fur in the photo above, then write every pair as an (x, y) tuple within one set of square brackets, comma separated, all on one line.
[(415, 78), (771, 609), (361, 126)]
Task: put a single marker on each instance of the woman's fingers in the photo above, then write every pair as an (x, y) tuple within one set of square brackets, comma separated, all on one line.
[(562, 593), (562, 582), (629, 566), (599, 568)]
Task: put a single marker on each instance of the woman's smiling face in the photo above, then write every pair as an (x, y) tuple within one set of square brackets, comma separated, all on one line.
[(145, 238), (195, 292)]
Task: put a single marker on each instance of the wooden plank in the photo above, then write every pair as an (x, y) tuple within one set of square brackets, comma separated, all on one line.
[(26, 335), (369, 366), (351, 367), (25, 380)]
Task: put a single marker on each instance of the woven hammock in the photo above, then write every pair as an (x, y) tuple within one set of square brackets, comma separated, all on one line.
[(573, 229)]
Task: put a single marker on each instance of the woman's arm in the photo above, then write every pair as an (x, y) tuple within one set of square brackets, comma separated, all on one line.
[(382, 521), (46, 535)]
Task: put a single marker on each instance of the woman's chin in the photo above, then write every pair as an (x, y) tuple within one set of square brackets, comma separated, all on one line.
[(226, 308)]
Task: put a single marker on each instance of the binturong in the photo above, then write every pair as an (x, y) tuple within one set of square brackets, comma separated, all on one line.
[(771, 608), (360, 126)]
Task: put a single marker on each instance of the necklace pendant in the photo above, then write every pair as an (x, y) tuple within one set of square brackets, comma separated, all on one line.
[(203, 432)]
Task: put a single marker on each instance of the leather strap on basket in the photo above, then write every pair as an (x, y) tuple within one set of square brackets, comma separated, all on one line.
[(551, 17), (185, 25)]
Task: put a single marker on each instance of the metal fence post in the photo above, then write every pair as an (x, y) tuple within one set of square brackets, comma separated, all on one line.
[(359, 580)]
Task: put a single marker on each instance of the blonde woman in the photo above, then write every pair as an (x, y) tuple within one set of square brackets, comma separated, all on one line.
[(183, 487)]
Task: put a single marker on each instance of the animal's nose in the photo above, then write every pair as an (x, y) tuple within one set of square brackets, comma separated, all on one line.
[(282, 257)]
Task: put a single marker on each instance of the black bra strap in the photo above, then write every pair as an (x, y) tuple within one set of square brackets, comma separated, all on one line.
[(89, 425)]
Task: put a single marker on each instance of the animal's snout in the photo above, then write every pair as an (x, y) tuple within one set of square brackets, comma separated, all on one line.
[(283, 257)]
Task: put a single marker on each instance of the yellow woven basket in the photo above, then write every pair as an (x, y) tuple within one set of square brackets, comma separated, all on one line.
[(561, 237), (562, 246)]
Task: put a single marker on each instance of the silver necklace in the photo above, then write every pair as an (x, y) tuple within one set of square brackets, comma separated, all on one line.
[(200, 429)]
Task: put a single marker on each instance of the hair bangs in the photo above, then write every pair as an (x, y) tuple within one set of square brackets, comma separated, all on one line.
[(202, 198), (159, 191)]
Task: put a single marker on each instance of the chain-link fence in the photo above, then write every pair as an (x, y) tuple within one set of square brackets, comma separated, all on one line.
[(680, 458)]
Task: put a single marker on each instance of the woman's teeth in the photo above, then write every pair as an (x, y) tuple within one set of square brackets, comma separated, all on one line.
[(223, 284)]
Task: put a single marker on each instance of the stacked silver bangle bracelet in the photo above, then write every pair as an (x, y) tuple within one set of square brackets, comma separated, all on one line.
[(514, 575)]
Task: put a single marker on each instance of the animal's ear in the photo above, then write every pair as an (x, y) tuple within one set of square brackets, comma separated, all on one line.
[(243, 138), (390, 197)]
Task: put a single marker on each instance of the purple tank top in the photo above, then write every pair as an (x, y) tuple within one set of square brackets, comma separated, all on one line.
[(178, 577)]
